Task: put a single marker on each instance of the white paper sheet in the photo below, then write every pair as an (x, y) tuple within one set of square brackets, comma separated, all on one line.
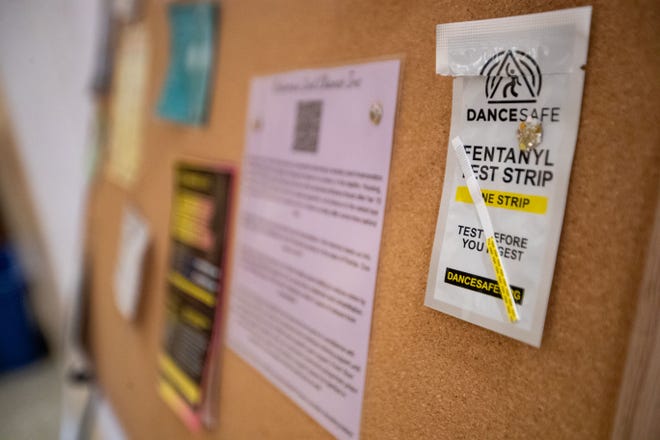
[(312, 199), (133, 246)]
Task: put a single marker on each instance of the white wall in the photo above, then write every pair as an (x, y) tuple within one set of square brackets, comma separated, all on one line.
[(47, 58), (47, 50)]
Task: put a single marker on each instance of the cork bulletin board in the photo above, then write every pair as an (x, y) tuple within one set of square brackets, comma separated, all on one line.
[(429, 375)]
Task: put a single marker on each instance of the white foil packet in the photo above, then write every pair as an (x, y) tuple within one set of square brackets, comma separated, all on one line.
[(507, 70)]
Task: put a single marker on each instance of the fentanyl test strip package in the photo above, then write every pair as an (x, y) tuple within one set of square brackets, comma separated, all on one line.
[(517, 94)]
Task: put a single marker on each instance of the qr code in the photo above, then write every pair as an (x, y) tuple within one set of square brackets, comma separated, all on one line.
[(308, 123)]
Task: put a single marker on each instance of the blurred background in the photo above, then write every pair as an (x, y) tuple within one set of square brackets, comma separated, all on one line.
[(52, 64)]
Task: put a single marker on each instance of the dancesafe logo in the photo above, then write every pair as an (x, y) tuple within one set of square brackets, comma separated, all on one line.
[(512, 76)]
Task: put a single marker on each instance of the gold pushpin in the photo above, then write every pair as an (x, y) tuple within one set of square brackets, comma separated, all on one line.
[(376, 113), (529, 134), (256, 125)]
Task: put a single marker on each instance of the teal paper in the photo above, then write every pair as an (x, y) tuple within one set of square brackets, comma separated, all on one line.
[(185, 94)]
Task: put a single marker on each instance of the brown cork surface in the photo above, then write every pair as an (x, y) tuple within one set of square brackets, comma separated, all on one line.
[(429, 375)]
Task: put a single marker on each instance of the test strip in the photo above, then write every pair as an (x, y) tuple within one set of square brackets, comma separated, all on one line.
[(484, 218)]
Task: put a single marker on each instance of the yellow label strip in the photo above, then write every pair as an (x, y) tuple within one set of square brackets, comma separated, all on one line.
[(480, 205), (502, 282), (191, 289), (180, 379), (506, 200), (178, 405), (170, 396), (195, 318)]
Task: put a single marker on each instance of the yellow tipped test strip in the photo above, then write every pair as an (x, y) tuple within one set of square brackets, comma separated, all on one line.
[(484, 218)]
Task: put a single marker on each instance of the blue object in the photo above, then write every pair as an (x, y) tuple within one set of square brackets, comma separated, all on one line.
[(184, 97), (20, 339)]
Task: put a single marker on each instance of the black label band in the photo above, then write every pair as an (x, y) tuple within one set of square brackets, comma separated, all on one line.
[(480, 284)]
